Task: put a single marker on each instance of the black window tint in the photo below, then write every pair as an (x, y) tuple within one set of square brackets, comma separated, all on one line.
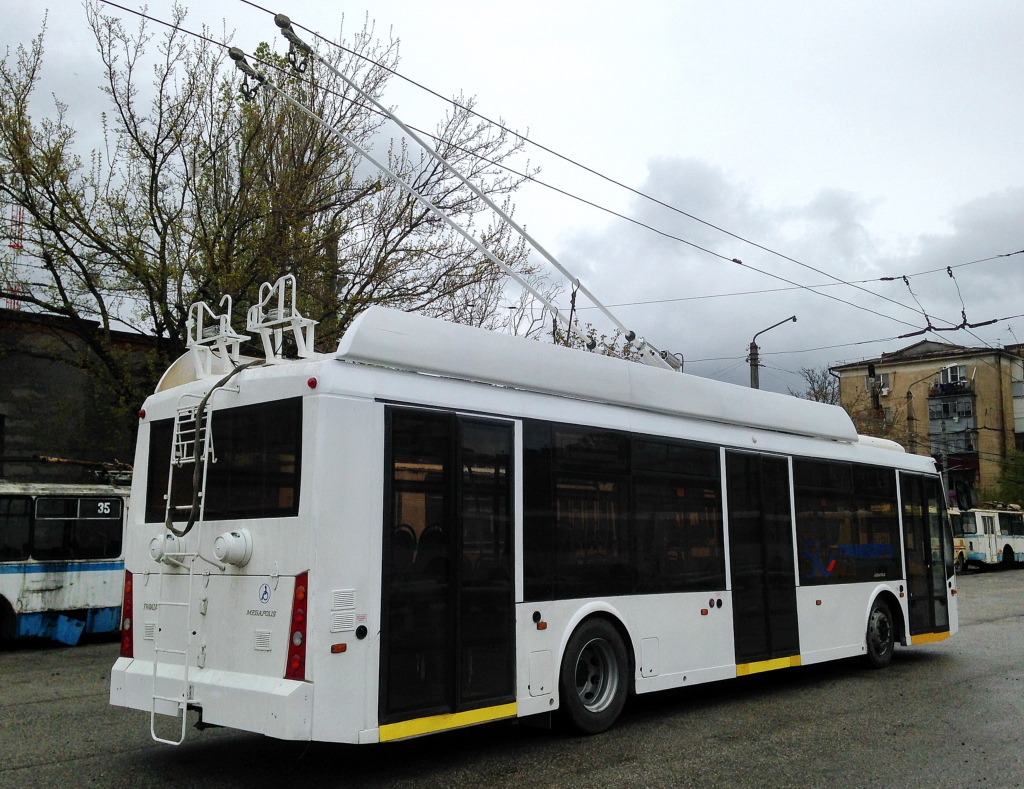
[(592, 541), (607, 513), (257, 450), (592, 548), (679, 534), (589, 449), (847, 522), (15, 527), (98, 530), (160, 434), (255, 474), (675, 458)]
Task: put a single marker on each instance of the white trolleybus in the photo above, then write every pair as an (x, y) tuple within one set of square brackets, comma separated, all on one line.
[(438, 526), (61, 566), (994, 535)]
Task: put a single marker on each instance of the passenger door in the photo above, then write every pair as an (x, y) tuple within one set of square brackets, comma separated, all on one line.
[(761, 557), (929, 553), (447, 596)]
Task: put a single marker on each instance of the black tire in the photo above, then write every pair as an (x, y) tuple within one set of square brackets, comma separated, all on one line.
[(1009, 560), (8, 622), (593, 680), (881, 635), (960, 564)]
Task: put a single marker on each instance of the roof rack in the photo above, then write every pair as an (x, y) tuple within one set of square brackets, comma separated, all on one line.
[(274, 314), (208, 331)]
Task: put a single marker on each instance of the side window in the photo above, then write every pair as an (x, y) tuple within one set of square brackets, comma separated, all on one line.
[(846, 522), (678, 506), (52, 532), (77, 528), (98, 529), (607, 512), (15, 525), (593, 551)]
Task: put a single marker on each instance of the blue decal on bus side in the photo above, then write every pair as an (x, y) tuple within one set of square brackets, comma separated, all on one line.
[(59, 567)]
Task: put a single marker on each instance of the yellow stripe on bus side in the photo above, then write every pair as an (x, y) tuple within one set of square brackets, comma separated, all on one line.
[(742, 669), (928, 638), (414, 728)]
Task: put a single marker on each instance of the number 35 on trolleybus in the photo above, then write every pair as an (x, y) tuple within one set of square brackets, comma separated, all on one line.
[(438, 526)]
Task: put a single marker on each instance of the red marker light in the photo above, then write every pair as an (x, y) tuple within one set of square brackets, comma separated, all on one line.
[(311, 383), (295, 668), (142, 413), (127, 609)]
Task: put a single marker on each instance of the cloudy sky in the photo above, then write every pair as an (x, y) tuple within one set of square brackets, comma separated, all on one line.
[(863, 140)]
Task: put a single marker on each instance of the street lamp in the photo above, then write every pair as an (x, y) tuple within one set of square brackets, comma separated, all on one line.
[(753, 358)]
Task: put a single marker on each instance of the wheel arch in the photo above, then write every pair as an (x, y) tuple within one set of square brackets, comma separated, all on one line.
[(602, 610), (889, 597)]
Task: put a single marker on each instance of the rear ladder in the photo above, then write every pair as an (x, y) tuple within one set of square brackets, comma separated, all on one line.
[(191, 439)]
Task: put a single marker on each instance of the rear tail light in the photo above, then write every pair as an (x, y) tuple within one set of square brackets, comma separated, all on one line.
[(296, 666), (127, 643)]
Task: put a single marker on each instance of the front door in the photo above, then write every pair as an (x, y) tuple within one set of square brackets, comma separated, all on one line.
[(929, 552), (761, 557), (447, 596)]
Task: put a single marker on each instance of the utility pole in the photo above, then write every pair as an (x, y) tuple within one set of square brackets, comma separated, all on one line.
[(911, 427), (754, 356)]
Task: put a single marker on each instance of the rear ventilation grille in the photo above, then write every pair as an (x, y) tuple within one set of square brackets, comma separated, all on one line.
[(262, 640), (341, 622), (149, 631), (342, 599)]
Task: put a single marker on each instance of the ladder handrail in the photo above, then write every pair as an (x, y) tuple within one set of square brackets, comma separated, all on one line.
[(182, 699)]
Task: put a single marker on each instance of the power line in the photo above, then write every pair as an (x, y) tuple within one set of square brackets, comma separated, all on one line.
[(568, 159), (615, 182), (802, 287)]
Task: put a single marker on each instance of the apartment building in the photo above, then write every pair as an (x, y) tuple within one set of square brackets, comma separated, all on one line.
[(964, 406)]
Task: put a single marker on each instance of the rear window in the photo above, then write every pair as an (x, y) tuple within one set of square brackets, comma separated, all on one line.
[(255, 473)]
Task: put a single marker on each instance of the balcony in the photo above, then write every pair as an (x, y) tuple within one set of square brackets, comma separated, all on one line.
[(951, 389)]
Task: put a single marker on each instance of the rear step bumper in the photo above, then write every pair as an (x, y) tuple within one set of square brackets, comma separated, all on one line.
[(281, 708)]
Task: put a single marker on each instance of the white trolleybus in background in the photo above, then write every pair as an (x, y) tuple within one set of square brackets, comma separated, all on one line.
[(61, 566), (993, 533), (438, 526)]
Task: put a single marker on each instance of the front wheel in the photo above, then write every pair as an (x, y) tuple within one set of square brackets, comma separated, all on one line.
[(593, 677), (1008, 557), (881, 635), (960, 564)]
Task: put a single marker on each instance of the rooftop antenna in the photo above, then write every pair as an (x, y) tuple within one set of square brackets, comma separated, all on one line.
[(298, 55)]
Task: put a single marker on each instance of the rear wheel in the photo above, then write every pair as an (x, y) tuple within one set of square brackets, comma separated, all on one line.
[(8, 622), (959, 565), (1008, 558), (881, 635), (593, 679)]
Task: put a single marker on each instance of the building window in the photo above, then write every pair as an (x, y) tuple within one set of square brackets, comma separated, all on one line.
[(948, 409), (881, 381), (955, 373)]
